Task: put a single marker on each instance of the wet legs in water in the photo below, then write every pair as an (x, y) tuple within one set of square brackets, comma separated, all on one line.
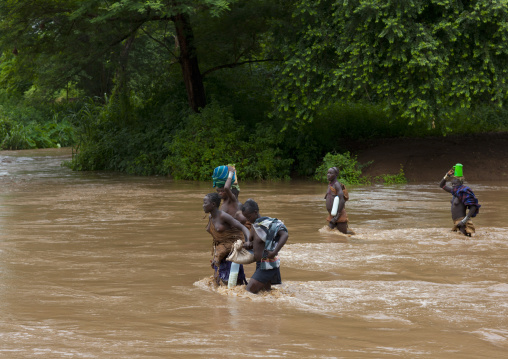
[(256, 286), (341, 227)]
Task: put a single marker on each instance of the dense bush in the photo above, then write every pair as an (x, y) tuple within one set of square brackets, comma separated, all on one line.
[(350, 169), (18, 136), (26, 125), (186, 148), (105, 144), (213, 138)]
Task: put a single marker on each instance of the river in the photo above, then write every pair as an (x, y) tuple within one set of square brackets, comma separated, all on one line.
[(104, 265)]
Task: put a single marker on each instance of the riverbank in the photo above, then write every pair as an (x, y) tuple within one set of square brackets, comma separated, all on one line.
[(483, 155)]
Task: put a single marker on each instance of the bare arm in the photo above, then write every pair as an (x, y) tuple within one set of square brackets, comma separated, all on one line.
[(283, 237), (227, 218), (257, 245), (209, 221), (227, 186), (470, 213), (249, 244)]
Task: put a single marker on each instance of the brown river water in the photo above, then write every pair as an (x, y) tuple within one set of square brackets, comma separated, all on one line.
[(101, 265)]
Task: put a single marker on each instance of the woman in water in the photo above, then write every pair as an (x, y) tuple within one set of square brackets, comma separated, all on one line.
[(225, 231)]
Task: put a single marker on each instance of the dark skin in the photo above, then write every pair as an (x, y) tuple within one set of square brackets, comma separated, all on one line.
[(458, 208), (230, 203), (258, 247), (331, 175), (221, 220)]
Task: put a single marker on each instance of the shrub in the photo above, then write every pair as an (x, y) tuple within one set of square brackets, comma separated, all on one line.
[(399, 178), (19, 136), (15, 136), (213, 138), (350, 169)]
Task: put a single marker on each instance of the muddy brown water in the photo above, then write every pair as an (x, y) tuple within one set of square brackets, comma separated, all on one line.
[(101, 265)]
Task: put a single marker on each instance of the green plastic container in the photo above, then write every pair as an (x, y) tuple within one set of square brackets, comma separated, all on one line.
[(458, 170)]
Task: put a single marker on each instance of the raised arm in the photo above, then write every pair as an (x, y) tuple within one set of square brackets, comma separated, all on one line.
[(227, 186), (443, 185)]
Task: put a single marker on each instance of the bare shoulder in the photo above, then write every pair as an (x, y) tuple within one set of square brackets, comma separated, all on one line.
[(225, 216)]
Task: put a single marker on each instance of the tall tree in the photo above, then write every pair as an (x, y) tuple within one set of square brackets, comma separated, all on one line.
[(424, 59), (54, 46), (71, 40), (63, 38)]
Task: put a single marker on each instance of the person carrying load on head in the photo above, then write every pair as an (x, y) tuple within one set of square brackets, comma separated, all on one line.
[(225, 231), (336, 198), (463, 199), (225, 180)]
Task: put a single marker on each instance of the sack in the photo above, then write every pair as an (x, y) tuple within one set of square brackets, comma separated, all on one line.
[(240, 255), (346, 193)]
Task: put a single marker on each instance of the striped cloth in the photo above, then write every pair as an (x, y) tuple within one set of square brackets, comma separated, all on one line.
[(220, 176), (267, 228), (466, 196)]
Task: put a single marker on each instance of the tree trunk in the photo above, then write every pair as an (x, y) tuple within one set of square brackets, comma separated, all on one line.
[(189, 63), (121, 91)]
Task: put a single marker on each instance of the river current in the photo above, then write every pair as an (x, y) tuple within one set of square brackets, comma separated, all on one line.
[(104, 265)]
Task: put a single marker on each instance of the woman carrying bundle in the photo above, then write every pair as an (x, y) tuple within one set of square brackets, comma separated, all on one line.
[(226, 181), (225, 231)]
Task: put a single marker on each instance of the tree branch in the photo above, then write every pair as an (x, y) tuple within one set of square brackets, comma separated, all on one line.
[(160, 43), (236, 64)]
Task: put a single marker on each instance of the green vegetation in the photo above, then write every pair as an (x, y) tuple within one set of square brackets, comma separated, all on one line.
[(16, 136), (213, 137), (24, 126), (398, 178), (351, 171), (278, 87), (423, 60)]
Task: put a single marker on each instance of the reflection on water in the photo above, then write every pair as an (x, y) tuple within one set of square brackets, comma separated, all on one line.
[(98, 265)]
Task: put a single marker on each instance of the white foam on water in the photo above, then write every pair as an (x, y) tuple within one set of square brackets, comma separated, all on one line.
[(367, 249), (494, 336), (209, 284), (397, 302)]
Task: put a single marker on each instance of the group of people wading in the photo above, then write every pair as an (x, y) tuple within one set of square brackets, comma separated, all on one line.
[(232, 221), (265, 236)]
